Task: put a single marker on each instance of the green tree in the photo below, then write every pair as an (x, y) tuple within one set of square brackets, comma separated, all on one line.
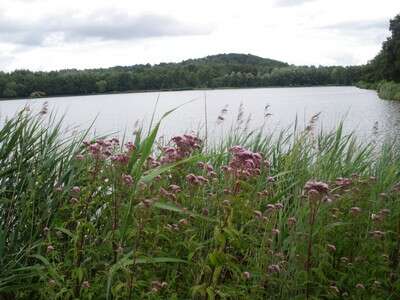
[(101, 86), (10, 90)]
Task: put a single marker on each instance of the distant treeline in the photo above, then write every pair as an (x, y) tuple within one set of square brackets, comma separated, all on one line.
[(386, 65), (383, 72), (217, 71)]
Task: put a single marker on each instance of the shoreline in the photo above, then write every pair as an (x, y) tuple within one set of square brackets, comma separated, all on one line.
[(172, 90)]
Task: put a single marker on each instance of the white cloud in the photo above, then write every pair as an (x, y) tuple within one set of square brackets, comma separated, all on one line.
[(49, 34), (291, 2), (98, 25)]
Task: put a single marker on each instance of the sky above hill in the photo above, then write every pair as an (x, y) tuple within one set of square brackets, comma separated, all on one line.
[(59, 34)]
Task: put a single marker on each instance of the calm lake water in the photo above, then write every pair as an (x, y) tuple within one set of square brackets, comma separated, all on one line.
[(361, 110)]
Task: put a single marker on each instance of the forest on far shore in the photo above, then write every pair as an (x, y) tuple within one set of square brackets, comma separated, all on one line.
[(217, 71)]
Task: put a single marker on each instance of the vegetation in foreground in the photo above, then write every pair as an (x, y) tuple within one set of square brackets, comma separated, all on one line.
[(301, 215)]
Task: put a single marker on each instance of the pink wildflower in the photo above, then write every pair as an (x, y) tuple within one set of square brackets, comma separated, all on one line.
[(127, 179)]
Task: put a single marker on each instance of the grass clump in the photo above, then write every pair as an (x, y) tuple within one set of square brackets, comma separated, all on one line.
[(301, 215), (389, 90)]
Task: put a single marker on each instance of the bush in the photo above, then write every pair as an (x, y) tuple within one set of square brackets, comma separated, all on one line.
[(366, 85), (389, 90), (37, 94)]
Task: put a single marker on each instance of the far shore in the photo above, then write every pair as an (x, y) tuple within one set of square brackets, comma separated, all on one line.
[(172, 90)]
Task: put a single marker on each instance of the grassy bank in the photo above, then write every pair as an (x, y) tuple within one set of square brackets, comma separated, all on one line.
[(301, 215), (387, 90)]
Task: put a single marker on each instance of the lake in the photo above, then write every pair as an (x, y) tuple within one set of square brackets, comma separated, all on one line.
[(361, 110)]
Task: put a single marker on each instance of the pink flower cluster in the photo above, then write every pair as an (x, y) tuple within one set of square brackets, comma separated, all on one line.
[(195, 179), (152, 162), (127, 179), (208, 168), (101, 149), (343, 182), (244, 163), (319, 186), (106, 149), (173, 190), (184, 146), (121, 158)]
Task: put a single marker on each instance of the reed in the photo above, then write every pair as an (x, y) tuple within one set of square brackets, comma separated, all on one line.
[(291, 215)]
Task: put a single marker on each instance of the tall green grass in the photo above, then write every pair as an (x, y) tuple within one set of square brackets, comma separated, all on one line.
[(34, 161), (389, 90), (77, 226)]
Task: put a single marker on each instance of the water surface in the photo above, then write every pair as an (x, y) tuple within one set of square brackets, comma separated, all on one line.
[(362, 111)]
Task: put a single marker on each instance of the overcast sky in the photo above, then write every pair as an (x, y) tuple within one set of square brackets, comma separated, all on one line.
[(59, 34)]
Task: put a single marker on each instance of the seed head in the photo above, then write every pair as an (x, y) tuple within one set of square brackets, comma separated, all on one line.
[(274, 269), (147, 203), (275, 231), (331, 248), (183, 222), (52, 282), (79, 157), (226, 203), (360, 286), (258, 214), (377, 234), (355, 211), (334, 289), (76, 189), (377, 283), (246, 275), (291, 221)]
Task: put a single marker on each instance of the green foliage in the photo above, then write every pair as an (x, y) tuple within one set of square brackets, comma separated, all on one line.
[(33, 159), (386, 65), (389, 90), (224, 70), (101, 86), (367, 85), (73, 227)]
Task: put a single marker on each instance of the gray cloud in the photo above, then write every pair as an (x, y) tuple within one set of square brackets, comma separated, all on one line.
[(367, 31), (358, 25), (291, 2), (6, 60), (346, 59), (104, 26)]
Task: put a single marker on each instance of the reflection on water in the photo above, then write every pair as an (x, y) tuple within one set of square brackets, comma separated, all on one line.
[(362, 111)]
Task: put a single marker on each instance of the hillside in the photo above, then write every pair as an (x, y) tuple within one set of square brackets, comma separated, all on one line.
[(216, 71), (237, 59)]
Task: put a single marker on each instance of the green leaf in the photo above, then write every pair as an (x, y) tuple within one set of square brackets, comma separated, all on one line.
[(153, 260), (2, 242), (41, 258), (172, 207), (150, 175), (127, 261), (66, 231)]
